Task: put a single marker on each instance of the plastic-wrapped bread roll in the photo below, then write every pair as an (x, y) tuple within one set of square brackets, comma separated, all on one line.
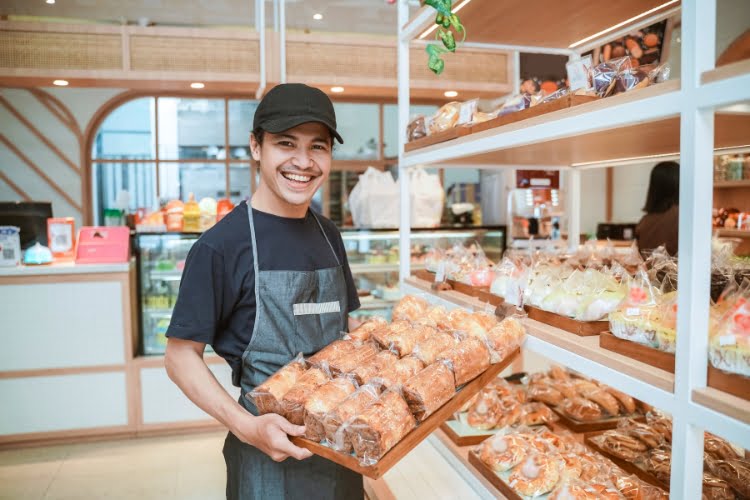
[(374, 366), (335, 421), (331, 352), (485, 413), (467, 360), (364, 331), (410, 308), (268, 395), (455, 317), (398, 373), (383, 335), (380, 427), (436, 317), (477, 324), (429, 390), (429, 349), (324, 399), (293, 403), (353, 359), (506, 336), (403, 340)]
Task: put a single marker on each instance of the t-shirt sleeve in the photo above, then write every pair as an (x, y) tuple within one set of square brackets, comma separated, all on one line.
[(197, 313), (351, 288)]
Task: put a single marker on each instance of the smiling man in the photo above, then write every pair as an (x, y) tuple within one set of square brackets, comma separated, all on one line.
[(267, 282)]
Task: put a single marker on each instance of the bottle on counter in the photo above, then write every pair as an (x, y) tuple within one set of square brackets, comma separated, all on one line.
[(191, 218), (208, 208), (174, 218)]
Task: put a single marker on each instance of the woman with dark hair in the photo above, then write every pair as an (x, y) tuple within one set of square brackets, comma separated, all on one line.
[(661, 223)]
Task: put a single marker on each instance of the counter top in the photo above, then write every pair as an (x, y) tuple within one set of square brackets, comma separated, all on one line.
[(64, 268)]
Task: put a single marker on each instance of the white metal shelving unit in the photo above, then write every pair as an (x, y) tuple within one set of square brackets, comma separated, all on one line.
[(679, 118)]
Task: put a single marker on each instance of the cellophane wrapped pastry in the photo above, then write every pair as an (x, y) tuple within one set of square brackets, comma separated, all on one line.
[(351, 360), (536, 475), (446, 118), (410, 308), (364, 331), (588, 295), (293, 402), (477, 325), (268, 395), (506, 337), (736, 472), (436, 317), (382, 425), (467, 360), (716, 489), (622, 445), (374, 366), (324, 399), (336, 421), (417, 128), (729, 344), (486, 410), (331, 352), (428, 349), (398, 373), (581, 409), (430, 389), (510, 281), (402, 337)]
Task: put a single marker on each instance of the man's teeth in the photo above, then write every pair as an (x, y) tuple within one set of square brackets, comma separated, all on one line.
[(298, 178)]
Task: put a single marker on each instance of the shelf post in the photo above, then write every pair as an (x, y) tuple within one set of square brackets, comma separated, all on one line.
[(574, 208), (696, 191), (403, 119)]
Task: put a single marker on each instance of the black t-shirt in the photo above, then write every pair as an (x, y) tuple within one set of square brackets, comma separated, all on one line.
[(216, 302)]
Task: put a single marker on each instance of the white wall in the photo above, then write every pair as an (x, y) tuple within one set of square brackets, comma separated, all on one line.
[(594, 199)]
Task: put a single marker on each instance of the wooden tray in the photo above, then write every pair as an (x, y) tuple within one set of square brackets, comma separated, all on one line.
[(564, 102), (424, 274), (596, 425), (416, 436), (447, 135), (491, 476), (624, 464), (580, 328), (471, 291), (731, 383), (472, 439), (644, 354), (491, 298)]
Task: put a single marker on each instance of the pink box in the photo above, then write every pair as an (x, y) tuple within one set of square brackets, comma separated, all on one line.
[(103, 245)]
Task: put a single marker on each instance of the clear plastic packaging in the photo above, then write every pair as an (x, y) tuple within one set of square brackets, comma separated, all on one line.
[(402, 337), (659, 463), (410, 308), (445, 119), (348, 362), (335, 350), (715, 488), (477, 325), (429, 349), (545, 393), (467, 360), (395, 375), (324, 399), (486, 410), (268, 395), (736, 472), (643, 432), (364, 331), (430, 389), (661, 424), (502, 451), (729, 344), (293, 402), (627, 403), (536, 414), (436, 317), (505, 337), (581, 409), (416, 129), (336, 420), (622, 445), (719, 448), (374, 366), (536, 475)]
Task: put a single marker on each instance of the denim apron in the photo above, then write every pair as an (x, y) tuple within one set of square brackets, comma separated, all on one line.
[(295, 312)]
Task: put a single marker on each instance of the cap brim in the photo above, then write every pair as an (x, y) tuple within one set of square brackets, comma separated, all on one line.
[(284, 124)]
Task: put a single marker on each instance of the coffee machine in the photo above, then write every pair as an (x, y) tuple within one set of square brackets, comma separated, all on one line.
[(535, 206)]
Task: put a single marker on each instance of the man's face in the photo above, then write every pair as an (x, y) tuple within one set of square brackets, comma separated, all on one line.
[(294, 163)]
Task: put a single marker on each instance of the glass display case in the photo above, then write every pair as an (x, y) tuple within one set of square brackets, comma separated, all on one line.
[(374, 258)]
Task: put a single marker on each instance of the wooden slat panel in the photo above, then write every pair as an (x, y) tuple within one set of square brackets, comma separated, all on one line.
[(39, 50), (161, 53)]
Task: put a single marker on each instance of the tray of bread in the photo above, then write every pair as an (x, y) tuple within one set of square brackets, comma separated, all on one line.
[(582, 405), (370, 397), (644, 449), (524, 463), (496, 407)]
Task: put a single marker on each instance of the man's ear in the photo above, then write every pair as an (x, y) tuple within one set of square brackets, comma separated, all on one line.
[(254, 147)]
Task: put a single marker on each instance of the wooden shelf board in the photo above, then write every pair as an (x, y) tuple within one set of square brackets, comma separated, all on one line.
[(734, 233), (728, 71), (565, 23), (745, 183), (723, 403)]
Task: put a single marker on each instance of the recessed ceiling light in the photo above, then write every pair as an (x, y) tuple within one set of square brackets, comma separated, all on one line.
[(450, 93), (318, 17), (337, 90), (197, 85), (60, 83), (50, 1)]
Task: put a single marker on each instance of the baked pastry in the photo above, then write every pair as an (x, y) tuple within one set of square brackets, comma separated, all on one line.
[(403, 341), (486, 411), (293, 402), (573, 465), (553, 441), (467, 360), (430, 348), (410, 308), (602, 491), (383, 335), (621, 445), (545, 394), (445, 118), (661, 424), (364, 331), (331, 352), (351, 360), (437, 317), (537, 475), (268, 395), (582, 386), (626, 402), (602, 398), (373, 367), (571, 491), (536, 414), (380, 427), (503, 452), (581, 409), (399, 372), (590, 466), (506, 336), (510, 413), (736, 472), (335, 421), (718, 448), (643, 432), (557, 372), (507, 390), (659, 463), (564, 387), (455, 317), (324, 399), (716, 489), (429, 390), (477, 325)]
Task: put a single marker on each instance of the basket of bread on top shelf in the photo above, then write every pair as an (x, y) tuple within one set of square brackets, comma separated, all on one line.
[(374, 394)]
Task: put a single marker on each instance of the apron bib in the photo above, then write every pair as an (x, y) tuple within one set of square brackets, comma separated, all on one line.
[(295, 311)]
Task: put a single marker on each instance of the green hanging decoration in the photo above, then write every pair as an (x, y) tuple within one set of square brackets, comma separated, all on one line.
[(447, 22)]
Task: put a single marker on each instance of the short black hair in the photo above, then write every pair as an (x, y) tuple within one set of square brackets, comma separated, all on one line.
[(663, 187), (259, 132)]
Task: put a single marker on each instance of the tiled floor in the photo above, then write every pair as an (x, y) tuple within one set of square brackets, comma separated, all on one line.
[(180, 467)]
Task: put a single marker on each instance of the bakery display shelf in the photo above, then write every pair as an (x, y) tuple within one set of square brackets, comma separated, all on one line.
[(744, 183), (640, 380), (462, 434), (417, 435), (734, 233), (630, 467), (645, 354), (593, 426), (730, 383), (166, 275), (580, 328)]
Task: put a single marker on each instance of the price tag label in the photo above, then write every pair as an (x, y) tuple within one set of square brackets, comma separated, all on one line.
[(633, 311), (440, 274), (726, 340), (578, 73)]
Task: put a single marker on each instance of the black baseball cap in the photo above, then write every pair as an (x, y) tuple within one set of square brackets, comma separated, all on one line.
[(291, 104)]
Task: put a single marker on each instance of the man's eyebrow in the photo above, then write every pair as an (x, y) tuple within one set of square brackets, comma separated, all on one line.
[(287, 136), (321, 139)]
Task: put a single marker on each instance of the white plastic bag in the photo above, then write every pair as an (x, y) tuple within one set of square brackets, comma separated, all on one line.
[(427, 198), (374, 201)]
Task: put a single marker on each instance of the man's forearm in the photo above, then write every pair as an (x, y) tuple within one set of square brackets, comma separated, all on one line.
[(189, 371)]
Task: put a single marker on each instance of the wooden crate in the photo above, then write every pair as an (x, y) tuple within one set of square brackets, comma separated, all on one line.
[(644, 354), (580, 328), (417, 435), (642, 474), (731, 383)]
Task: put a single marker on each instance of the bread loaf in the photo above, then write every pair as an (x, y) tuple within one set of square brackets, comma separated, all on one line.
[(429, 390), (293, 403), (467, 360), (324, 399), (380, 427), (335, 421), (268, 395)]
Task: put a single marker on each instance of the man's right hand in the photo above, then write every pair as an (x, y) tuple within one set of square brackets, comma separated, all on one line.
[(270, 434)]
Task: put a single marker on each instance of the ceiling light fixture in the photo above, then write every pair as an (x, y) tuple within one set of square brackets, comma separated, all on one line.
[(60, 83), (50, 2), (620, 25), (197, 85), (454, 10), (450, 93), (318, 17), (337, 90)]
